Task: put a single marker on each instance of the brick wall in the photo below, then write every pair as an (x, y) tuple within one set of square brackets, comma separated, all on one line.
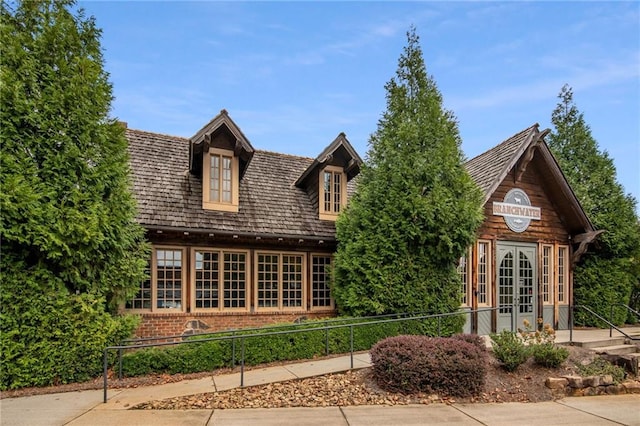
[(158, 325)]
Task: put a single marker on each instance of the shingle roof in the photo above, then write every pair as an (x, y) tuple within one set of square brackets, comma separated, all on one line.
[(489, 169), (170, 197)]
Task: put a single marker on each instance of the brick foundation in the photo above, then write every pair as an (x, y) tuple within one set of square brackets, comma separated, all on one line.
[(159, 325)]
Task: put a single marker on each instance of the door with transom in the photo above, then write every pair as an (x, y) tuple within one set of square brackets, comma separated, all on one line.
[(516, 274)]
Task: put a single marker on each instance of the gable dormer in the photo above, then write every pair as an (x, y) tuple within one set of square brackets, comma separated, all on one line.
[(327, 177), (219, 155)]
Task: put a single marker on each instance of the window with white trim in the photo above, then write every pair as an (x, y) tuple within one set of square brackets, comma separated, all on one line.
[(463, 273), (483, 273), (320, 280), (220, 180), (547, 274), (563, 274), (279, 281), (332, 192)]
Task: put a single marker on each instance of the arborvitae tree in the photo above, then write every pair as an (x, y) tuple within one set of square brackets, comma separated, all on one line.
[(606, 273), (69, 240), (415, 210)]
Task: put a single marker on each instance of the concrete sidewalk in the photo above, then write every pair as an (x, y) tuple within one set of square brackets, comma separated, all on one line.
[(86, 407)]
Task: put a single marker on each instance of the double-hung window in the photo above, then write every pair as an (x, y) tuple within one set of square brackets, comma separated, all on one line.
[(220, 179), (333, 192)]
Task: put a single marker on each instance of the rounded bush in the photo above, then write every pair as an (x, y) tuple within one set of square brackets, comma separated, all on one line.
[(447, 366)]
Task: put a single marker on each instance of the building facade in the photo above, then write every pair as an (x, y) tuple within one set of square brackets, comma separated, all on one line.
[(244, 238)]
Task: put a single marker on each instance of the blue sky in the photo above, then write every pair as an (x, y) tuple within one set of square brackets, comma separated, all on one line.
[(293, 75)]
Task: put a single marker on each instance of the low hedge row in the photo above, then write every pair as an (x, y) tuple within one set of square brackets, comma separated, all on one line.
[(202, 355)]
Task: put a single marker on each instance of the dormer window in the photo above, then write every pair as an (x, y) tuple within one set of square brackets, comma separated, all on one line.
[(220, 180), (332, 192), (220, 154)]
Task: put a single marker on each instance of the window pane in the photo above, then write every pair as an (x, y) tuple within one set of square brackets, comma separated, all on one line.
[(226, 179), (327, 191), (483, 273), (337, 178), (267, 282), (206, 279), (169, 279), (214, 184), (547, 293), (462, 272), (562, 274), (291, 281), (321, 293), (142, 299), (234, 282)]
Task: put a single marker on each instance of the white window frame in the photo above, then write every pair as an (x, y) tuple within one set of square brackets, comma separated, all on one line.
[(488, 263), (464, 272), (562, 275), (547, 274)]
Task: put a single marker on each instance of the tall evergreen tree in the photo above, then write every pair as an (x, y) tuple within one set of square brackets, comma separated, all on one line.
[(69, 240), (607, 273), (415, 210)]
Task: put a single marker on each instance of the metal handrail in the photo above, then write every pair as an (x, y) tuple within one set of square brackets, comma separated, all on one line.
[(601, 318), (243, 337)]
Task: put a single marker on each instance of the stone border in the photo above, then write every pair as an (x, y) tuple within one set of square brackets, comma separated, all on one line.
[(590, 386)]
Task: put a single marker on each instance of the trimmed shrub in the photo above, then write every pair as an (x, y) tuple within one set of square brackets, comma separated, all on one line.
[(474, 339), (549, 355), (447, 366), (509, 349)]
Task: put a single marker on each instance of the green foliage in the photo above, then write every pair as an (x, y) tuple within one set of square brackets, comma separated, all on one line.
[(449, 366), (415, 210), (209, 355), (69, 239), (549, 355), (49, 337), (66, 201), (601, 367), (609, 271), (509, 349)]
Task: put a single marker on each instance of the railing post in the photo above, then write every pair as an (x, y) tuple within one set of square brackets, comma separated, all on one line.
[(242, 364), (233, 349), (104, 376), (571, 308), (326, 338), (611, 322), (439, 327), (351, 339), (120, 363)]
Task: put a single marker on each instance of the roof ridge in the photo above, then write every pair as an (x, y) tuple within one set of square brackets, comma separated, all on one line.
[(156, 134), (283, 154)]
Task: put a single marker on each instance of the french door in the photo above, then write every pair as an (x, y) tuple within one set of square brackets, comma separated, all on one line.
[(516, 273)]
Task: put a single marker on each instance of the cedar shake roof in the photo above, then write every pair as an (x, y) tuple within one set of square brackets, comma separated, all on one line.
[(490, 168), (351, 161), (170, 197)]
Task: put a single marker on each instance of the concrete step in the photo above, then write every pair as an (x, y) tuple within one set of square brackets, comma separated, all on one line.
[(609, 341), (616, 349)]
